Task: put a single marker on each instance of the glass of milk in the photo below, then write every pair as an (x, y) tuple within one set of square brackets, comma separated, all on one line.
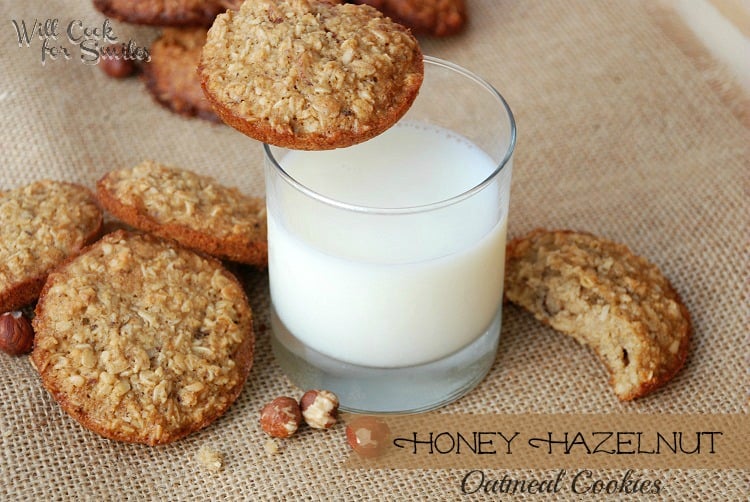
[(386, 258)]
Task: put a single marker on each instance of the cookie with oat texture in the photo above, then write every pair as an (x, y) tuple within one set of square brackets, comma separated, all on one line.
[(41, 225), (141, 340), (310, 74), (600, 293), (193, 209)]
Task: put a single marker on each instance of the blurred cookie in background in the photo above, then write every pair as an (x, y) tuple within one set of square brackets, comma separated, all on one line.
[(437, 18), (172, 74), (162, 12)]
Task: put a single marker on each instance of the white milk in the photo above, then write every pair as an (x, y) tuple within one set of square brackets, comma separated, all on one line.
[(389, 290)]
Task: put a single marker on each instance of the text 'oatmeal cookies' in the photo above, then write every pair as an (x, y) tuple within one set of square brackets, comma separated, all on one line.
[(143, 341), (195, 210), (605, 297), (41, 225), (310, 74)]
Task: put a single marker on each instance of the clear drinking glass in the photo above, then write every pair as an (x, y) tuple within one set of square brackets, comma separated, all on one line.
[(386, 259)]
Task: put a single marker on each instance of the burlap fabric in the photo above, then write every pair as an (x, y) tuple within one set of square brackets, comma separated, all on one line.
[(626, 129)]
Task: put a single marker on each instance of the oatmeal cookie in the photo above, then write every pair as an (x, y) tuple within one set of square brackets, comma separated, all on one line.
[(172, 74), (310, 74), (192, 209), (41, 225), (438, 18), (162, 12), (141, 340), (603, 295)]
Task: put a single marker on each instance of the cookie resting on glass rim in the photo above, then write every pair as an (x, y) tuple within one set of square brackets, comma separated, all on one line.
[(310, 75)]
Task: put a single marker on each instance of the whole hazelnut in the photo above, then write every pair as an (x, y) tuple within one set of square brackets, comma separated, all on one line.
[(115, 65), (368, 436), (319, 408), (281, 417), (16, 334)]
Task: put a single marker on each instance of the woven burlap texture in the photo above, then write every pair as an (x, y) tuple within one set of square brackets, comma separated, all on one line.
[(621, 133)]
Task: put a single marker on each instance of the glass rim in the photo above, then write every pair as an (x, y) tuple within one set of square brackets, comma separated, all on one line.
[(421, 207)]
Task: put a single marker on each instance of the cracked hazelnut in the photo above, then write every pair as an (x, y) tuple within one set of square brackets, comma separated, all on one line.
[(319, 408), (368, 436), (281, 417), (16, 334)]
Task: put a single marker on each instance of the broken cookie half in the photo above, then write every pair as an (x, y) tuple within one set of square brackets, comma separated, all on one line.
[(605, 297)]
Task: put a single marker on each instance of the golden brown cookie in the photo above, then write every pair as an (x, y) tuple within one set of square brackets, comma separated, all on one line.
[(310, 74), (162, 12), (41, 225), (192, 209), (438, 18), (141, 340), (603, 295), (172, 74)]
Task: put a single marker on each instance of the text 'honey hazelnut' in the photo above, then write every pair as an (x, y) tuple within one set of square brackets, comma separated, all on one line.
[(16, 334)]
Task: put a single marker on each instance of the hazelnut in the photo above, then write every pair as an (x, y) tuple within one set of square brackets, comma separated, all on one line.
[(281, 417), (319, 408), (115, 65), (368, 436), (16, 334)]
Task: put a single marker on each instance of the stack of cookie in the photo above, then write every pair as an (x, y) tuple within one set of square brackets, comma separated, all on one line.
[(170, 75), (140, 336), (144, 336)]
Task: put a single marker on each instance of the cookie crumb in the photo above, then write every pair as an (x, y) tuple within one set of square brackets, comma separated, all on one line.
[(210, 459), (271, 447)]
